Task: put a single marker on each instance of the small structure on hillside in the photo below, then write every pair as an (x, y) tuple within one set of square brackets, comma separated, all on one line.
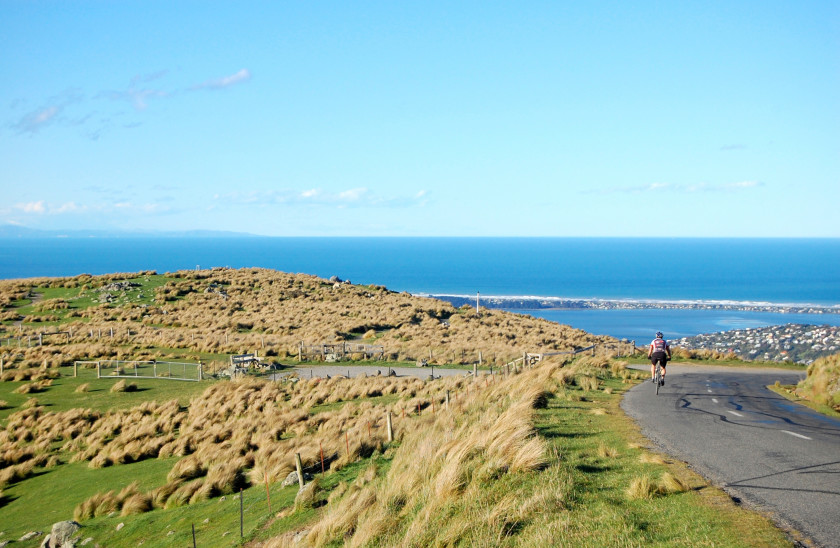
[(338, 351)]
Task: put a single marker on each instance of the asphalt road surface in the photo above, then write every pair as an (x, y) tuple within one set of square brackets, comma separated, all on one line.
[(776, 455)]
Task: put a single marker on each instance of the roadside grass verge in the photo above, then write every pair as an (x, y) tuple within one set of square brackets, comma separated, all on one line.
[(603, 510), (788, 391)]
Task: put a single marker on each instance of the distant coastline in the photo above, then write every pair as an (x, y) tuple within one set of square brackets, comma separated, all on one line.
[(561, 303)]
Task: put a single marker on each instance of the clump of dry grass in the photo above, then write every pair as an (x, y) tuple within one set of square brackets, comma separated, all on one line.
[(607, 452), (85, 387), (307, 496), (669, 483), (642, 488), (652, 458), (822, 383), (122, 386)]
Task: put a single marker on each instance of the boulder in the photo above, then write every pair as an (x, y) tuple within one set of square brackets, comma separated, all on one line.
[(292, 478), (61, 535), (30, 535)]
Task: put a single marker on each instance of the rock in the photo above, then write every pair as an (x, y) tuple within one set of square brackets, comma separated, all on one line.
[(61, 535), (4, 543), (30, 535), (226, 533), (87, 541), (170, 533), (120, 525), (292, 478), (206, 520), (422, 363), (223, 499)]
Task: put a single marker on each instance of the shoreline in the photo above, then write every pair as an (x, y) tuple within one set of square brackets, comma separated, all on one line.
[(562, 303)]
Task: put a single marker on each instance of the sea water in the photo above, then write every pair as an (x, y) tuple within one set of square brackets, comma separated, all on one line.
[(794, 271)]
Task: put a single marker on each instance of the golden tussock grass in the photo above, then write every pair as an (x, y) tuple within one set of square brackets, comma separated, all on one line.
[(84, 387), (642, 488), (669, 483), (822, 382), (652, 458), (607, 452)]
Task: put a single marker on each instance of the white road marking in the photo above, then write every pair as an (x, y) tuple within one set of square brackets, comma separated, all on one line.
[(714, 400), (795, 434), (737, 414)]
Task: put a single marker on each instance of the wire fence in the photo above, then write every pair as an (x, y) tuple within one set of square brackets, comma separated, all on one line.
[(142, 369)]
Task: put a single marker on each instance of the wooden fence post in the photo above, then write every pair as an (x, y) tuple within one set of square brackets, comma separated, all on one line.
[(390, 428), (447, 399), (299, 467)]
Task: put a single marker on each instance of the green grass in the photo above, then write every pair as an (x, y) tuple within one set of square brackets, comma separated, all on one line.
[(80, 298), (61, 396), (52, 495)]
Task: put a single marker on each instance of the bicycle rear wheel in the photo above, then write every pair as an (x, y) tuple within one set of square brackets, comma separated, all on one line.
[(658, 377)]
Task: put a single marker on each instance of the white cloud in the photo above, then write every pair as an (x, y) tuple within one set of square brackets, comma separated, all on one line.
[(69, 207), (243, 75), (33, 207), (355, 197)]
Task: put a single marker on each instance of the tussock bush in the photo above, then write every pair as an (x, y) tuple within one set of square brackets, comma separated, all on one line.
[(122, 386), (642, 488), (672, 484), (85, 387), (307, 496), (822, 382)]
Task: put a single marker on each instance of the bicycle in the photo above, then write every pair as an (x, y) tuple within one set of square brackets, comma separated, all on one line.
[(657, 376)]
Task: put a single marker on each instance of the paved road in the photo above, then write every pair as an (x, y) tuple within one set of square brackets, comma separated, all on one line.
[(777, 455)]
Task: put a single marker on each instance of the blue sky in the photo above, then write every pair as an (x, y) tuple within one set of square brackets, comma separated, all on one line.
[(422, 118)]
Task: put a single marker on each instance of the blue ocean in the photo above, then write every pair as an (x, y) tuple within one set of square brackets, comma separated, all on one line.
[(789, 271)]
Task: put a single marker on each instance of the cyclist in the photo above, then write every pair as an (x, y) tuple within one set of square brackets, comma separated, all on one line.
[(659, 351)]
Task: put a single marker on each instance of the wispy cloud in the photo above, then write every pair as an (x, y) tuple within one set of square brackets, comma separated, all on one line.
[(32, 207), (243, 75), (42, 207), (681, 188), (726, 148), (141, 92), (353, 197), (50, 113)]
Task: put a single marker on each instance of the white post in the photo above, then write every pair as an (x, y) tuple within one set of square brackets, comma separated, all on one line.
[(477, 304)]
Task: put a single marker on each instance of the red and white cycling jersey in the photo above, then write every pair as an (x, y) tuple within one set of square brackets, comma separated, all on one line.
[(659, 346)]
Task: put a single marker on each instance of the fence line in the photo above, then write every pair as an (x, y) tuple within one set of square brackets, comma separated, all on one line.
[(159, 370)]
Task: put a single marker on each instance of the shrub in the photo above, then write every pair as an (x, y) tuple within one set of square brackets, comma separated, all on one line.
[(122, 386)]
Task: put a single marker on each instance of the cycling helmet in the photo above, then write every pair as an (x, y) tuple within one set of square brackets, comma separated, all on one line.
[(659, 334)]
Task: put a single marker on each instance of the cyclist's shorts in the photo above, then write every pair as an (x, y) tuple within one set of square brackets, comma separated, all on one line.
[(659, 356)]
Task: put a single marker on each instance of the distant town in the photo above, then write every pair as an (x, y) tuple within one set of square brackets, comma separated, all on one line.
[(538, 303), (779, 343)]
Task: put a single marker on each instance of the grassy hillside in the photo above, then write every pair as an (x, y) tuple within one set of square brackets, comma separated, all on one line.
[(536, 456), (214, 313)]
